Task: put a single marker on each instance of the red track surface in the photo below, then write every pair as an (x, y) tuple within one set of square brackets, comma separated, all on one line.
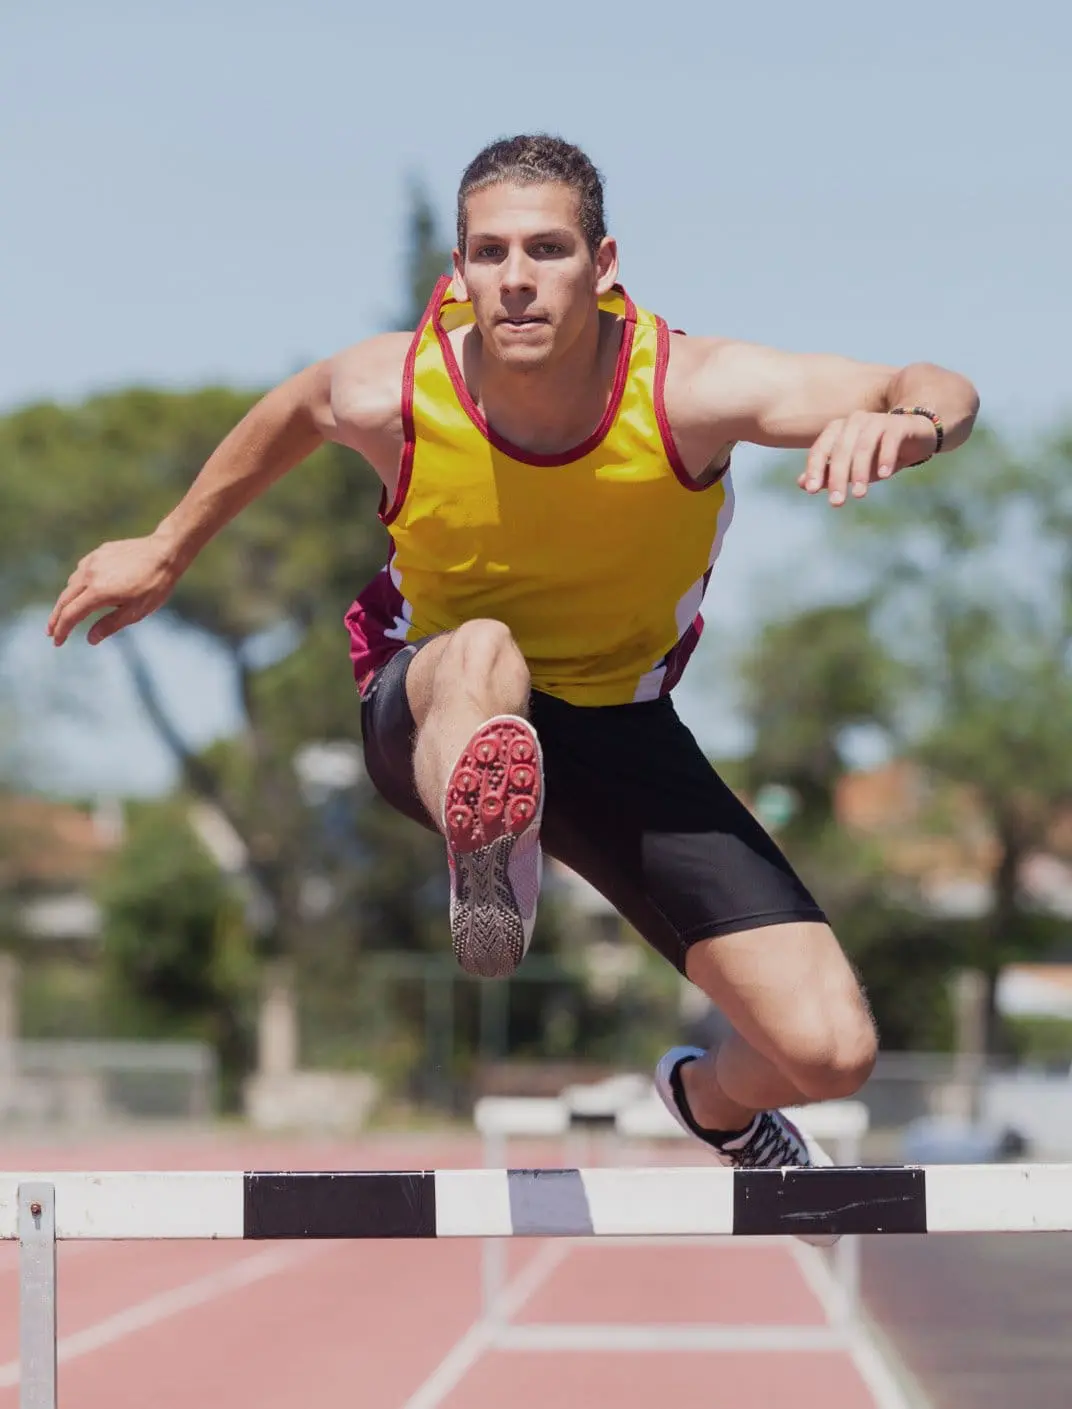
[(390, 1325)]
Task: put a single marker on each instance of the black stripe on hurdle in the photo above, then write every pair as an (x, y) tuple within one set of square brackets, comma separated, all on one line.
[(774, 1201), (346, 1205)]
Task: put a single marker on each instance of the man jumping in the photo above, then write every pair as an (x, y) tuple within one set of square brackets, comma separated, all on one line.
[(555, 469)]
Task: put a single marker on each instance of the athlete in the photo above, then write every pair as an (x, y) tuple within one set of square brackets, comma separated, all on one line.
[(555, 469)]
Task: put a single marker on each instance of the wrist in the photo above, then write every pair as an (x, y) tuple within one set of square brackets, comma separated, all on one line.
[(924, 413), (173, 546)]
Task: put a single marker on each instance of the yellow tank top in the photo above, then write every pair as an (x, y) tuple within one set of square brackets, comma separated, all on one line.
[(597, 559)]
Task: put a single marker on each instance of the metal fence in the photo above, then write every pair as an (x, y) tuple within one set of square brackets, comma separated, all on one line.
[(911, 1092), (430, 1033), (86, 1084)]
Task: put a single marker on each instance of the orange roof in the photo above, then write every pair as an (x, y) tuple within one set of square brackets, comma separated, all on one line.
[(48, 843), (928, 828)]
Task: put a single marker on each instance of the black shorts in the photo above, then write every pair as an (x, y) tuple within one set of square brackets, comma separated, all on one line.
[(631, 804)]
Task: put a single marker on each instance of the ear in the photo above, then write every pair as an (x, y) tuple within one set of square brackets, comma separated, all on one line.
[(460, 291), (606, 262)]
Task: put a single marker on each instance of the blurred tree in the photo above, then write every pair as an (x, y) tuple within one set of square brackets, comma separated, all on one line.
[(975, 557), (177, 961), (269, 595), (963, 646), (427, 255), (807, 682), (112, 468)]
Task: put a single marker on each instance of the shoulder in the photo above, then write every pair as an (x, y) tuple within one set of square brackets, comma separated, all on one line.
[(365, 386), (700, 368), (699, 397)]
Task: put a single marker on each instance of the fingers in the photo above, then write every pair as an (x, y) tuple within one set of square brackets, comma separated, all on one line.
[(889, 451), (125, 580), (74, 606), (839, 470), (76, 585), (814, 476), (82, 604), (864, 468), (112, 622), (850, 454)]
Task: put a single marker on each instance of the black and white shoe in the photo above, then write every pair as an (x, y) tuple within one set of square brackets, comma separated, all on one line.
[(772, 1141)]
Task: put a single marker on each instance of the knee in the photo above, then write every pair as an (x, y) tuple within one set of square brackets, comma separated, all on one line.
[(835, 1054), (484, 649)]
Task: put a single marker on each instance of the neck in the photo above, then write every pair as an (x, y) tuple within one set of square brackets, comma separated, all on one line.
[(550, 409)]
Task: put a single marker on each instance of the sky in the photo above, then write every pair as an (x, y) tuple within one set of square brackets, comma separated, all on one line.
[(218, 193)]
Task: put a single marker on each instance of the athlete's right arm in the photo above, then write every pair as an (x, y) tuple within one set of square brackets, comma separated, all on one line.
[(353, 398)]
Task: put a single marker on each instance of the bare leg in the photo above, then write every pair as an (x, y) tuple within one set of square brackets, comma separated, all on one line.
[(477, 766), (456, 683), (802, 1029)]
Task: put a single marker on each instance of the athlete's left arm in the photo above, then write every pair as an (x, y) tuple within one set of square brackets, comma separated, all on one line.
[(835, 407)]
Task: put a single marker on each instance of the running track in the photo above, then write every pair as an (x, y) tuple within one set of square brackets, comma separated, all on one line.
[(392, 1325)]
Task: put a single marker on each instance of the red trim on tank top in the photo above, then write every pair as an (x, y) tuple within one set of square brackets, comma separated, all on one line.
[(409, 430), (662, 362), (530, 457)]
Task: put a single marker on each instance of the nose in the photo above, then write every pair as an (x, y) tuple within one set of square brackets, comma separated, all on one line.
[(517, 273)]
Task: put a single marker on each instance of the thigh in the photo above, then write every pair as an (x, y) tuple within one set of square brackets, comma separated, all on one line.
[(633, 805), (788, 989)]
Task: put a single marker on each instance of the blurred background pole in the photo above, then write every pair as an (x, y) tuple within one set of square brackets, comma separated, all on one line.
[(439, 1036), (9, 1025), (969, 1014)]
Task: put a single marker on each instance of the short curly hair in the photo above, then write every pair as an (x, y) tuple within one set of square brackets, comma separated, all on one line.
[(530, 159)]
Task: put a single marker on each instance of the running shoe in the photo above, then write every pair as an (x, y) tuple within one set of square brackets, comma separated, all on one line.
[(772, 1141), (491, 820)]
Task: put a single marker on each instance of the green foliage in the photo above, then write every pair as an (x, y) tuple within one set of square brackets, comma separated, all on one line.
[(994, 666), (331, 871), (269, 594), (114, 466), (427, 256), (176, 955), (1042, 1041), (808, 679), (961, 648)]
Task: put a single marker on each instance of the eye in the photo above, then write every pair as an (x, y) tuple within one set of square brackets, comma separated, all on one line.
[(488, 252), (548, 248)]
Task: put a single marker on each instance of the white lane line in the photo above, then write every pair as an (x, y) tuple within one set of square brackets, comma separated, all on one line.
[(887, 1380), (170, 1303), (481, 1336)]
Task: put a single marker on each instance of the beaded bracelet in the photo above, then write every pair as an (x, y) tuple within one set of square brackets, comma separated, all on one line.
[(931, 416)]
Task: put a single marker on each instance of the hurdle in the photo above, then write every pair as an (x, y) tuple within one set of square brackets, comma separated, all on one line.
[(38, 1209), (624, 1111)]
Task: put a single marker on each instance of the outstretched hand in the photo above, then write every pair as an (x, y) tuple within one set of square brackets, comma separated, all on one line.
[(867, 446), (132, 577)]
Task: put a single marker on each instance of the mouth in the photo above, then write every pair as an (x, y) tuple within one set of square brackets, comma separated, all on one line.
[(529, 320)]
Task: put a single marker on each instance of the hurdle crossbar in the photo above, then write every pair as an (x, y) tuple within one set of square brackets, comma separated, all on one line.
[(40, 1209), (551, 1203)]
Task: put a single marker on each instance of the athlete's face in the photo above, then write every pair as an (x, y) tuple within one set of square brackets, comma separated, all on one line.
[(529, 273)]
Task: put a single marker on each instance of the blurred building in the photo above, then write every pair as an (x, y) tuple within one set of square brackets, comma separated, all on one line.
[(51, 853), (937, 837)]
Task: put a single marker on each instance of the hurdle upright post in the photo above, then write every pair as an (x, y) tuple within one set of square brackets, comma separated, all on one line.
[(493, 1250), (844, 1124), (37, 1295), (497, 1119)]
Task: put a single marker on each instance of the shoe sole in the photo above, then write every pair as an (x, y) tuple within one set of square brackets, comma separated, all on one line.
[(494, 797)]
